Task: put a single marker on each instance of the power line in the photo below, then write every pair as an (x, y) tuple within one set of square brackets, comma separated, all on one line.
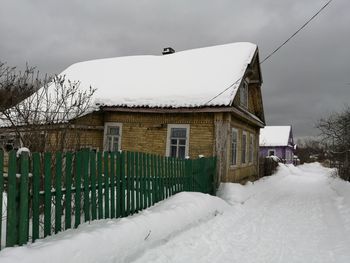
[(278, 48)]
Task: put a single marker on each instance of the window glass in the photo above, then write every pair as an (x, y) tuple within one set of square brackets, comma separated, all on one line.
[(244, 147), (178, 132), (251, 148), (112, 138), (178, 142), (234, 147)]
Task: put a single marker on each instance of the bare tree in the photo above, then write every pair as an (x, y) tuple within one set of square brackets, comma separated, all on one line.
[(16, 85), (310, 149), (335, 130), (44, 121)]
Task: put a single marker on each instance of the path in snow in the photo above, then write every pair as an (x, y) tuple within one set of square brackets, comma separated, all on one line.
[(299, 215)]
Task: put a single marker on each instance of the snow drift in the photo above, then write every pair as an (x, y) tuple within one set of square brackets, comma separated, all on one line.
[(120, 240)]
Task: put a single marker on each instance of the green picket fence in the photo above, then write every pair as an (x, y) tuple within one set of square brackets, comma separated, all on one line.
[(50, 192)]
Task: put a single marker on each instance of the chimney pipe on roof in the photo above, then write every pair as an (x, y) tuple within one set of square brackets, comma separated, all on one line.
[(168, 50)]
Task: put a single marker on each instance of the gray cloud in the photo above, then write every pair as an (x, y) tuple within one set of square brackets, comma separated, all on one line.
[(304, 81)]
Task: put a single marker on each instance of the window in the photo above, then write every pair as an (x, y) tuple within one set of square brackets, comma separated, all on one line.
[(234, 146), (112, 138), (251, 148), (271, 152), (244, 147), (177, 143), (244, 94)]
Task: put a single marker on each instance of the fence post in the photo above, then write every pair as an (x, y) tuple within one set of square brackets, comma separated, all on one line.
[(11, 229), (23, 200)]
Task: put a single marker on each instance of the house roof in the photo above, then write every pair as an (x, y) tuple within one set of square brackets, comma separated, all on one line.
[(275, 135), (186, 79), (183, 79)]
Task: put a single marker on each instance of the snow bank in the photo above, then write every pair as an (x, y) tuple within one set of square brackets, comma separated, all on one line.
[(120, 240), (238, 194)]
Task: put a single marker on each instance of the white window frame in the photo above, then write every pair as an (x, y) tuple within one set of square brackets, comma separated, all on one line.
[(251, 148), (105, 141), (234, 130), (243, 94), (246, 148), (271, 150), (185, 126)]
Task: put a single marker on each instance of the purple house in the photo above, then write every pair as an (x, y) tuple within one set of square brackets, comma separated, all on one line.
[(277, 141)]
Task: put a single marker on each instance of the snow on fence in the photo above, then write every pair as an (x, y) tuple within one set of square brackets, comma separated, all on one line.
[(50, 192)]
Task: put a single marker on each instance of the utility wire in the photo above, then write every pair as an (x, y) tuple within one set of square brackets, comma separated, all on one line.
[(278, 48)]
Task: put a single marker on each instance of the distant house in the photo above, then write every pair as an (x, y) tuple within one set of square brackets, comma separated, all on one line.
[(277, 141), (204, 101)]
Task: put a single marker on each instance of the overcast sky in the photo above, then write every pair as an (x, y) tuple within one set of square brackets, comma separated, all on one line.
[(307, 79)]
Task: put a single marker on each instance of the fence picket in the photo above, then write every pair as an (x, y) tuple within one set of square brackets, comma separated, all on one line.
[(68, 186), (153, 176), (137, 183), (149, 189), (1, 189), (118, 184), (77, 196), (142, 185), (112, 179), (23, 227), (99, 186), (58, 192), (11, 229), (123, 188), (106, 183), (47, 194), (93, 185), (86, 183), (128, 183)]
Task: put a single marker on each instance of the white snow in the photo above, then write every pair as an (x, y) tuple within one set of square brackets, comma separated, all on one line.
[(184, 79), (120, 240), (301, 214), (274, 135), (21, 150)]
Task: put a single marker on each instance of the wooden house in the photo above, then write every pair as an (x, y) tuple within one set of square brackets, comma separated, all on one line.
[(204, 101), (277, 141)]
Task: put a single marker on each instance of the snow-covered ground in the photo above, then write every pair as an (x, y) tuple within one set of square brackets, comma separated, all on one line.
[(301, 214)]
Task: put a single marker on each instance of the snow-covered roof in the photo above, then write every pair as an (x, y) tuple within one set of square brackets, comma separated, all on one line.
[(183, 79), (275, 135)]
